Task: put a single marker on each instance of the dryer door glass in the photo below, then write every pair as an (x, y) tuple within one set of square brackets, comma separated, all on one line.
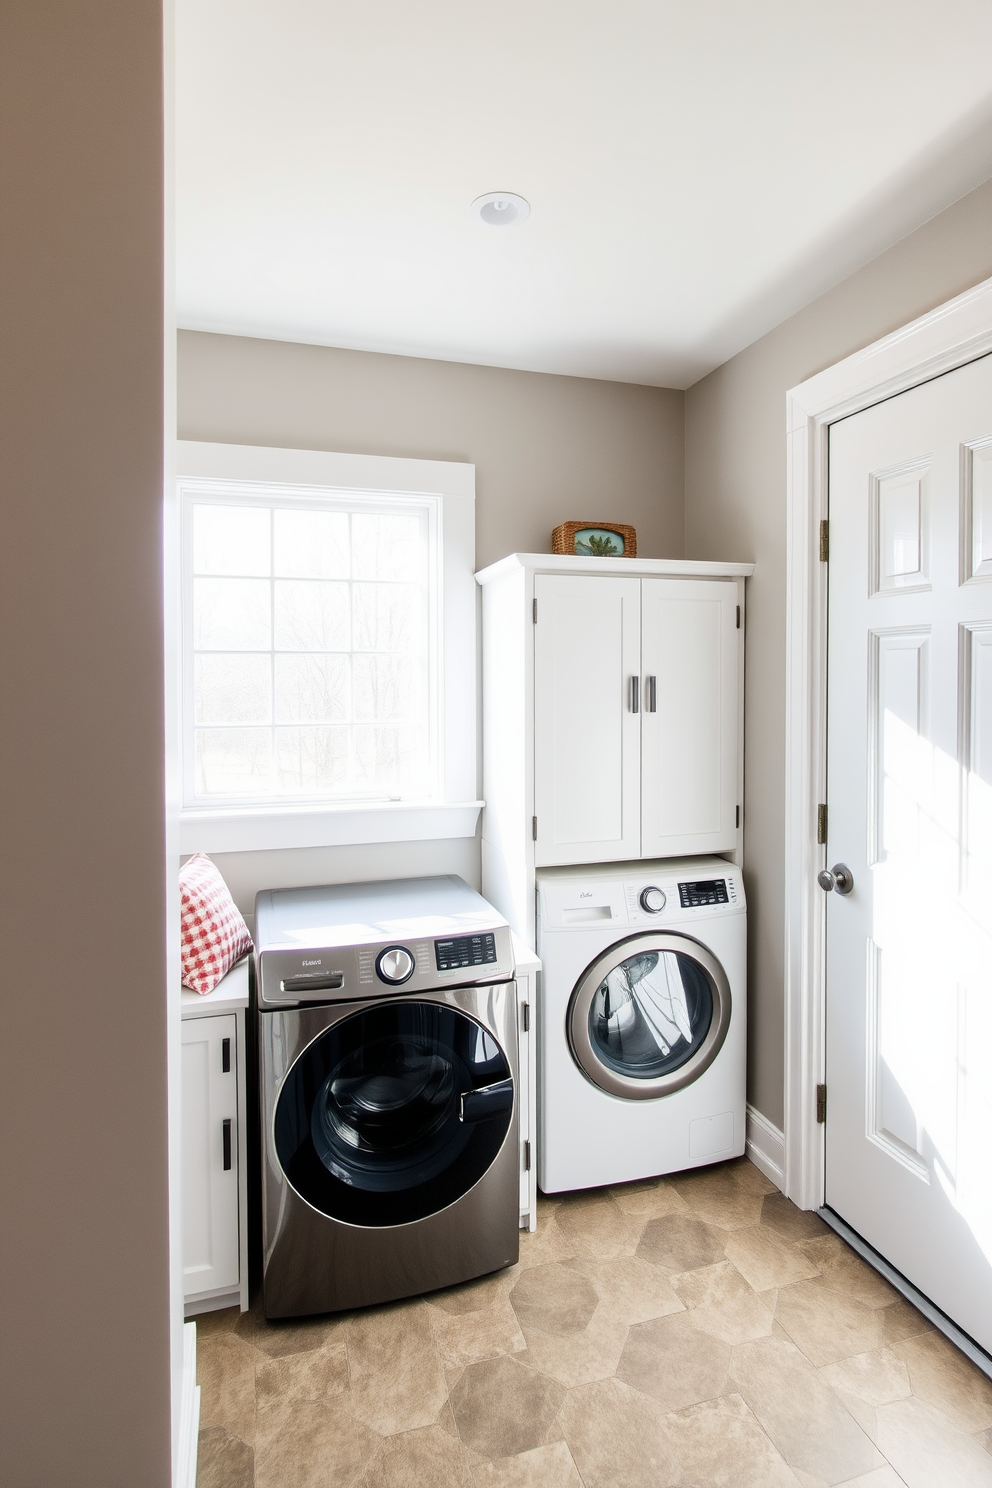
[(393, 1113), (649, 1016)]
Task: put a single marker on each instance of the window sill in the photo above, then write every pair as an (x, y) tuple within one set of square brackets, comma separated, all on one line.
[(253, 829)]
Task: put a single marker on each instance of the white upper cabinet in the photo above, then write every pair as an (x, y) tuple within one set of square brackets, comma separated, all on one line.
[(587, 755), (689, 717), (612, 715), (635, 718)]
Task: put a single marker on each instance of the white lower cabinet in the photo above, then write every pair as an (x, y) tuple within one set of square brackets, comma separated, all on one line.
[(213, 1161), (527, 968)]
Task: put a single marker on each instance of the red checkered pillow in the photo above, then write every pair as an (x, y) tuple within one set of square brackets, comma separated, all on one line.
[(214, 935)]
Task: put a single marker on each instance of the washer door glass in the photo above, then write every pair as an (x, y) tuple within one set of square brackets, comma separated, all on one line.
[(649, 1015), (394, 1113)]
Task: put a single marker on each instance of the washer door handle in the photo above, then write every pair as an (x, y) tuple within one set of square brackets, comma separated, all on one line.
[(486, 1102)]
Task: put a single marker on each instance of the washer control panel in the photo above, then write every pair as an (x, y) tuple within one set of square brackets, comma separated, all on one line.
[(395, 965), (395, 937), (465, 950)]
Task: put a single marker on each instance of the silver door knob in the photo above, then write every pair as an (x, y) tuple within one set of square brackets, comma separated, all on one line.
[(395, 965), (838, 877)]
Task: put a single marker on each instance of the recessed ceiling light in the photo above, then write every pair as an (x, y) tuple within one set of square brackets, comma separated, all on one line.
[(500, 208)]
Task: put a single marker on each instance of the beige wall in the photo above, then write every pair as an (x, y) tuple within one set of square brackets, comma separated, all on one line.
[(735, 509), (545, 448), (84, 1328)]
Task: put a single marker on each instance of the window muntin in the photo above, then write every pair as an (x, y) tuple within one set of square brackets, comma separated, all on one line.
[(311, 647)]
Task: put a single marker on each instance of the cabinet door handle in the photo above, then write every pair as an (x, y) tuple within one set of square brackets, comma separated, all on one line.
[(225, 1056), (652, 694), (227, 1144), (635, 694)]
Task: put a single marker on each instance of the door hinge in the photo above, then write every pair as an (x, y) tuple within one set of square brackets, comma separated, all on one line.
[(821, 824), (533, 827), (824, 542), (821, 1104), (535, 611), (525, 1017), (526, 1157), (738, 617)]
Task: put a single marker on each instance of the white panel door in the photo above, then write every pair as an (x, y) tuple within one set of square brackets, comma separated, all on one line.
[(909, 949), (210, 1154), (586, 719), (689, 744)]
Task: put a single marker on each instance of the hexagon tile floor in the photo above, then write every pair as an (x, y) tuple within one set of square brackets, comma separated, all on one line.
[(696, 1331)]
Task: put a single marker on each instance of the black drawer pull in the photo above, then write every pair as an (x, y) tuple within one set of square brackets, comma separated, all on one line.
[(225, 1056), (227, 1144)]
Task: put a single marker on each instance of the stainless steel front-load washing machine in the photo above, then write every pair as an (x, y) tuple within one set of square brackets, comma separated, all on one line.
[(387, 1018)]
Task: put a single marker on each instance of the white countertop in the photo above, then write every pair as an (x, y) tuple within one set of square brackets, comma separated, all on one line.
[(230, 993)]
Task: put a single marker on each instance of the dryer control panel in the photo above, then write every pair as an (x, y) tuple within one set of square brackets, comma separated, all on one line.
[(638, 894), (709, 891)]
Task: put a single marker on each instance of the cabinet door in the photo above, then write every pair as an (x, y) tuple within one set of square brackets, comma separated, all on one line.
[(689, 743), (586, 729), (210, 1155)]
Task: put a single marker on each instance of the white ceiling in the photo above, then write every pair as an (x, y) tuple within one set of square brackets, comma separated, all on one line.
[(697, 169)]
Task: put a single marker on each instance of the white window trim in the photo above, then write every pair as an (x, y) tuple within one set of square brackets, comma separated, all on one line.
[(455, 813)]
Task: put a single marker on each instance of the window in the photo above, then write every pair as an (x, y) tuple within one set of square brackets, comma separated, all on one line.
[(313, 651), (312, 647)]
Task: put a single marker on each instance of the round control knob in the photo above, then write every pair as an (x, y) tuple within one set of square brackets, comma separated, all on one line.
[(395, 965), (652, 900)]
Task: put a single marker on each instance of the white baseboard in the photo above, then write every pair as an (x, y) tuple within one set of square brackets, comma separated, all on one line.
[(765, 1146), (214, 1302), (189, 1416)]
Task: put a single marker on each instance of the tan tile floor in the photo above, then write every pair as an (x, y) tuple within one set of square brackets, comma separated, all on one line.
[(689, 1332)]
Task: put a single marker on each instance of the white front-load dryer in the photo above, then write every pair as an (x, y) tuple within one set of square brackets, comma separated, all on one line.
[(642, 1019)]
